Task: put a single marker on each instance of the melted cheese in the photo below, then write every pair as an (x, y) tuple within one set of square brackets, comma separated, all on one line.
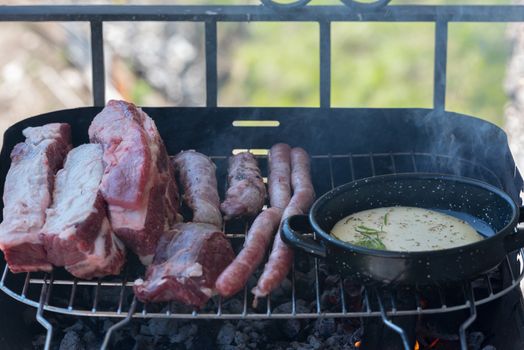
[(404, 229)]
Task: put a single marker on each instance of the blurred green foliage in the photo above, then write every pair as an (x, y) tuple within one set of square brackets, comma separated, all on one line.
[(373, 64)]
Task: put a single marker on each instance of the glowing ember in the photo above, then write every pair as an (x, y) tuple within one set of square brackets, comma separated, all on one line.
[(417, 347), (357, 344)]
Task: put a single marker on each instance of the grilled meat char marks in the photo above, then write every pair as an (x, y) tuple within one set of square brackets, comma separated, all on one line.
[(246, 193), (187, 262), (77, 233), (196, 174), (28, 192), (281, 257), (138, 182)]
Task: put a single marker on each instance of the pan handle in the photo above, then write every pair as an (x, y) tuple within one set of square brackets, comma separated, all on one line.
[(292, 229), (515, 241)]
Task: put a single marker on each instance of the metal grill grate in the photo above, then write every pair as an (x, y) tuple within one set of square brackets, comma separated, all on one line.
[(113, 296)]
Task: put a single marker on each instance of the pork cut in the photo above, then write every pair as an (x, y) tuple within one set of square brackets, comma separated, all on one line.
[(28, 192), (246, 193), (77, 233), (138, 183), (197, 175), (187, 263)]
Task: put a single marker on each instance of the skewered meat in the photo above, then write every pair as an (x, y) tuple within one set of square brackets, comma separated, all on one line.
[(281, 257), (27, 193), (246, 193), (235, 276), (138, 182), (196, 173), (187, 262), (77, 233)]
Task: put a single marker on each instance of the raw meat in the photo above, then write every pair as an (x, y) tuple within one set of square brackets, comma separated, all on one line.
[(77, 233), (281, 257), (246, 193), (196, 173), (28, 192), (138, 182), (235, 276), (279, 179), (187, 263)]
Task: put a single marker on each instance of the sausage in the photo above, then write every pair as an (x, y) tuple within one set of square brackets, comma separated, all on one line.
[(235, 276), (279, 181), (281, 257), (196, 173), (246, 193)]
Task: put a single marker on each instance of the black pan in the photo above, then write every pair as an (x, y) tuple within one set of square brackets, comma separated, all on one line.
[(488, 209)]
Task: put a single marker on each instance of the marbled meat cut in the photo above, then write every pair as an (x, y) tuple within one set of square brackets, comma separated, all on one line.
[(246, 193), (77, 233), (187, 262), (138, 182), (196, 174), (28, 192)]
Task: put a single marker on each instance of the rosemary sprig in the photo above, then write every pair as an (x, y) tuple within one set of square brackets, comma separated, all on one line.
[(386, 219)]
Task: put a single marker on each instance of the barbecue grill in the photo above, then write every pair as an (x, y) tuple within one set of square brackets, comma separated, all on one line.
[(404, 141)]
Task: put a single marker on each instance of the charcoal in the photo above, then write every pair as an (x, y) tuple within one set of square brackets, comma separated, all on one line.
[(325, 327), (183, 333), (489, 347), (226, 335), (287, 307), (160, 327), (72, 341), (241, 338), (144, 343), (91, 340), (233, 306), (291, 328), (203, 339), (314, 342), (252, 345), (227, 347), (78, 326), (475, 340)]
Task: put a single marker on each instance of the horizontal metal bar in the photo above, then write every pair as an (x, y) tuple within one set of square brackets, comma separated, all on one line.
[(394, 13)]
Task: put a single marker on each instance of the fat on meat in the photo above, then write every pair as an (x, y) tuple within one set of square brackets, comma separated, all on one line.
[(246, 193), (28, 192), (138, 182), (77, 233), (187, 262), (196, 174)]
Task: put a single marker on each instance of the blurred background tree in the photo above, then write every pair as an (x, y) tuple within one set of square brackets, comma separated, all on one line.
[(46, 66)]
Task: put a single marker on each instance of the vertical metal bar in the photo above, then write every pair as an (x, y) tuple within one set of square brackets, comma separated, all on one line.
[(26, 284), (393, 165), (4, 274), (342, 296), (97, 63), (211, 64), (399, 330), (40, 315), (372, 163), (317, 288), (95, 298), (441, 52), (325, 64), (351, 167), (72, 295), (118, 325), (468, 293), (293, 291)]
